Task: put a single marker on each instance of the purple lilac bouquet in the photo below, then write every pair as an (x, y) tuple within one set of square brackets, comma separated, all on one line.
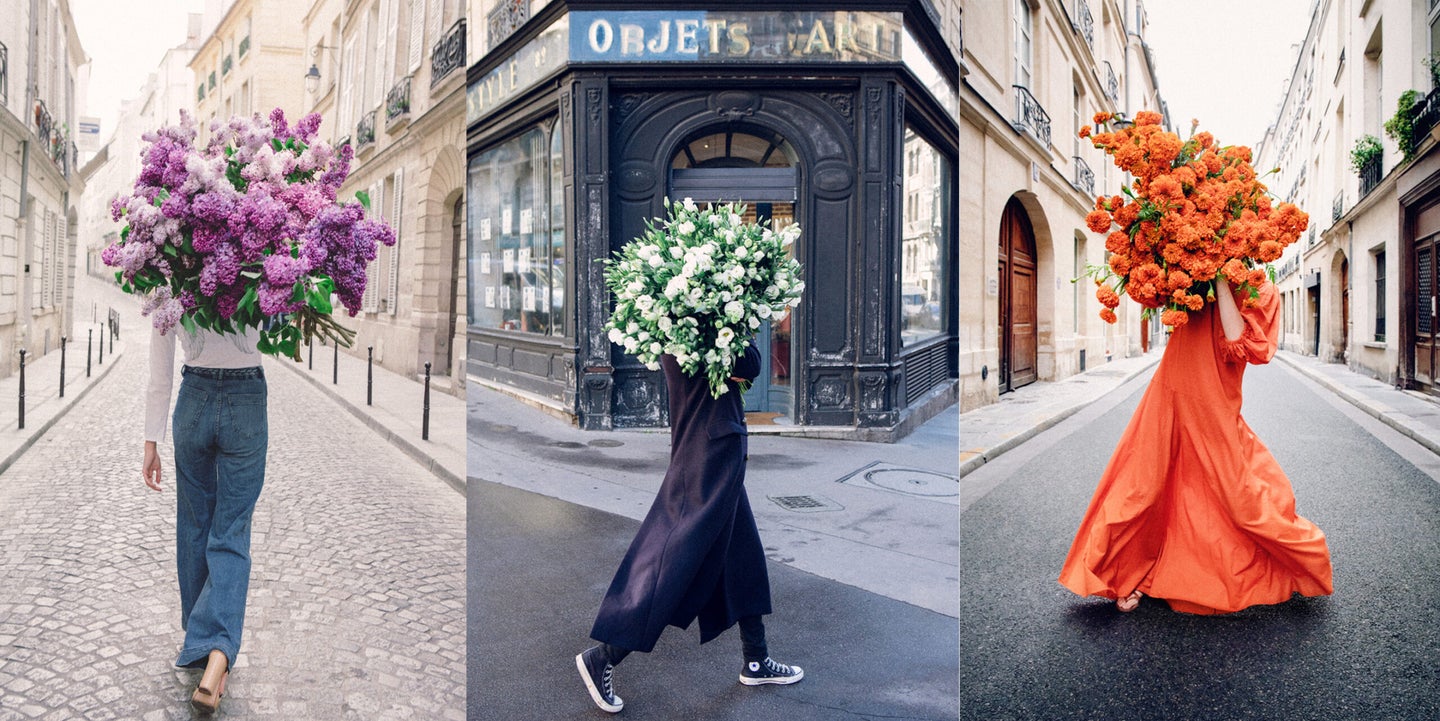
[(246, 228)]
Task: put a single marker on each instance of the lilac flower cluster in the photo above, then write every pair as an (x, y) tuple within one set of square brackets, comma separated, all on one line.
[(255, 209)]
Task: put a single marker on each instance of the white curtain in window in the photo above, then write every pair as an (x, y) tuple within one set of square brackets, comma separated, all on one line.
[(392, 293)]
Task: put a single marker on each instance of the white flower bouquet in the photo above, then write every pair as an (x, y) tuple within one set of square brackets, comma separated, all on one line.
[(698, 286)]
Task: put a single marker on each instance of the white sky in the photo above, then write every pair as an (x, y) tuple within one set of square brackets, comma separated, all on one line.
[(1230, 80), (125, 41)]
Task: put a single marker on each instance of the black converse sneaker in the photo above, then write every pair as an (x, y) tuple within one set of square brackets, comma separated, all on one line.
[(756, 673), (597, 675)]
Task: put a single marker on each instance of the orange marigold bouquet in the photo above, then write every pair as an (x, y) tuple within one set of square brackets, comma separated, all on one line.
[(1196, 210)]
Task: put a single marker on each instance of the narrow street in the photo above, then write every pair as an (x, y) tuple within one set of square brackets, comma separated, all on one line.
[(356, 605), (1032, 650)]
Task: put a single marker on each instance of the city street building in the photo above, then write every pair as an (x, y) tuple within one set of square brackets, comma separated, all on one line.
[(583, 116), (1034, 72), (387, 75), (112, 170), (40, 58), (1359, 287)]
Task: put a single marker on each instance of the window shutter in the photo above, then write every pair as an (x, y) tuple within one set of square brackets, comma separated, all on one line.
[(417, 33), (392, 294), (347, 91), (369, 302), (58, 264), (392, 28), (381, 61), (47, 228), (437, 16)]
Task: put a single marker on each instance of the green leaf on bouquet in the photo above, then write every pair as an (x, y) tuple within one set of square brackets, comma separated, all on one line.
[(319, 301), (264, 345), (251, 274), (170, 250), (364, 199), (248, 300), (188, 322), (277, 144), (289, 348), (124, 234)]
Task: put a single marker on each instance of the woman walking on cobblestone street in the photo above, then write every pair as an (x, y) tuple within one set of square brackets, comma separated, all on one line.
[(697, 555), (220, 439)]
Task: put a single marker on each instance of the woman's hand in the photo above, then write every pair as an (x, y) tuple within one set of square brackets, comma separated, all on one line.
[(150, 468)]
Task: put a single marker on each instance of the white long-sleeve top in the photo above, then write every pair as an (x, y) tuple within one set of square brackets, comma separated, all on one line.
[(203, 349)]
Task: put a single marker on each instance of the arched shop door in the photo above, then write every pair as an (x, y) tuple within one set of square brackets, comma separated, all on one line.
[(756, 168), (1018, 340)]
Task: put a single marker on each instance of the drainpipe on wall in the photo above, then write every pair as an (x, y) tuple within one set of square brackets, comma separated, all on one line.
[(24, 174)]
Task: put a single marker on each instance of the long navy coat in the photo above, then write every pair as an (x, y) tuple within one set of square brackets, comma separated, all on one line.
[(697, 554)]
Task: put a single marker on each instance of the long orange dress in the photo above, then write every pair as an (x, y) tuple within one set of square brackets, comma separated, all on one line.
[(1193, 508)]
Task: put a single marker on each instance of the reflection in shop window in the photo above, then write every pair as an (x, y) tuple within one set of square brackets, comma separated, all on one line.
[(923, 245), (517, 235)]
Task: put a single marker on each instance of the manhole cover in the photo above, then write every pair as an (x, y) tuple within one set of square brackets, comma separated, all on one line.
[(910, 481), (567, 444), (805, 504), (501, 428), (606, 443)]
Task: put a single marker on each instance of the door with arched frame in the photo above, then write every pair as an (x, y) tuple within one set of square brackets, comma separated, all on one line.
[(1019, 343)]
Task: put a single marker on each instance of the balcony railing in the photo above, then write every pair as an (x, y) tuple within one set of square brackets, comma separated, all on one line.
[(44, 124), (365, 131), (1371, 173), (226, 64), (1030, 117), (397, 102), (1084, 176), (4, 74), (506, 18), (244, 46), (1338, 209), (1084, 22), (1426, 116), (448, 55), (1112, 84)]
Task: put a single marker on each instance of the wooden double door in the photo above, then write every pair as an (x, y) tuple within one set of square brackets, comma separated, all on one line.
[(1018, 286)]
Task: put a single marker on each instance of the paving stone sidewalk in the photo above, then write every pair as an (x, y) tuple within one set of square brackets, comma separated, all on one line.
[(356, 606)]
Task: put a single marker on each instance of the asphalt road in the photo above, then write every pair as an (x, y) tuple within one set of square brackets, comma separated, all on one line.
[(1031, 649), (539, 567)]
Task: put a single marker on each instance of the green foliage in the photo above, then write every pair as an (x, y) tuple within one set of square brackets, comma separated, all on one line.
[(1401, 126), (1367, 148)]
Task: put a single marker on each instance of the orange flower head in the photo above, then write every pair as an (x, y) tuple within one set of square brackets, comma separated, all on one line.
[(1102, 118), (1147, 117), (1235, 270), (1107, 296), (1256, 277), (1174, 318), (1194, 302), (1085, 131), (1117, 242), (1098, 221), (1108, 315)]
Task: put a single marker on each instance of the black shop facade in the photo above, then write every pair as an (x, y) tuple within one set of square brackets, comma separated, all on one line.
[(585, 117)]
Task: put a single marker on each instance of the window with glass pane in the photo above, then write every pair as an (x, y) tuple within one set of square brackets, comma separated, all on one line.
[(558, 270), (512, 268), (924, 244)]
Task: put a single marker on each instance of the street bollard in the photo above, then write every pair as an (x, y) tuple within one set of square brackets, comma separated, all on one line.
[(311, 343), (62, 365), (89, 350), (370, 375), (425, 420), (22, 389), (100, 356), (335, 374)]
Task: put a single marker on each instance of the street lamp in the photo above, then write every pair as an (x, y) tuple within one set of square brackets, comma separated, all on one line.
[(312, 76)]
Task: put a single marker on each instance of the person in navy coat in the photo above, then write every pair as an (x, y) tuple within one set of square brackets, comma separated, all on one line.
[(697, 555)]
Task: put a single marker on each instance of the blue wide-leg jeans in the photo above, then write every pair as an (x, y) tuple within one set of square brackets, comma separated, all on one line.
[(221, 433)]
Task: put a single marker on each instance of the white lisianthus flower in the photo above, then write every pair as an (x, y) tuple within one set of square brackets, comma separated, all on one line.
[(716, 220), (636, 287), (631, 344), (754, 322), (689, 205), (676, 252), (685, 228), (632, 328), (734, 310), (645, 302), (644, 336), (782, 283), (734, 219), (723, 339), (656, 261), (664, 323), (726, 296), (771, 291), (657, 349), (762, 310), (741, 252), (653, 366), (759, 255), (617, 336)]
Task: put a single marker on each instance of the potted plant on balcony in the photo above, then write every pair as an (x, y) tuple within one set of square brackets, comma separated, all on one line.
[(1432, 63), (1366, 149), (1401, 126)]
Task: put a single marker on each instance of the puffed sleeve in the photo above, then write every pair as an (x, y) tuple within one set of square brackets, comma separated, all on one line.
[(1257, 343), (157, 391), (747, 366)]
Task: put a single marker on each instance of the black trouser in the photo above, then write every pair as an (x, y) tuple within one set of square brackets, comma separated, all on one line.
[(752, 641)]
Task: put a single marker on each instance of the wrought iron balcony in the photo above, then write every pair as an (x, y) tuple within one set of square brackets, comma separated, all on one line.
[(506, 18), (4, 74), (44, 124), (244, 46), (1084, 23), (226, 64), (1338, 209), (1371, 173), (1084, 176), (1030, 117), (1426, 114), (397, 102), (448, 55), (365, 131), (1112, 83)]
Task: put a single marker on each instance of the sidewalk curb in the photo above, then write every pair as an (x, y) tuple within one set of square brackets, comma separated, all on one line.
[(405, 445), (64, 409), (974, 462), (1383, 415)]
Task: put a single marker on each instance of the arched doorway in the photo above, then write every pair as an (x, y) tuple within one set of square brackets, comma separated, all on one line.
[(1344, 348), (757, 167), (1018, 290)]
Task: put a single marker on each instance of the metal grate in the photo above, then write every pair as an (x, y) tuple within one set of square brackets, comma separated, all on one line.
[(924, 370), (806, 504)]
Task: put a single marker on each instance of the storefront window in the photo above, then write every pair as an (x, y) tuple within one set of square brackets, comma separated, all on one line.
[(924, 242), (517, 233)]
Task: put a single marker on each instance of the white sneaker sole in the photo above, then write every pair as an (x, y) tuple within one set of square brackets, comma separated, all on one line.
[(595, 692), (777, 680)]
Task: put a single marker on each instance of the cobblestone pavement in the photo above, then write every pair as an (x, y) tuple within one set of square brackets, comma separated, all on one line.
[(357, 606)]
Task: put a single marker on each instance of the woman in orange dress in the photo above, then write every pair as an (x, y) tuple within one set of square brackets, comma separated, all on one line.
[(1193, 508)]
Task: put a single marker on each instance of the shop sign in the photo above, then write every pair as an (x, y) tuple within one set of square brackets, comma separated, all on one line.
[(756, 36), (530, 64)]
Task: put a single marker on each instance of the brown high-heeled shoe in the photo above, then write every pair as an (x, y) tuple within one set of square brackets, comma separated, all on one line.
[(1129, 603), (206, 698)]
